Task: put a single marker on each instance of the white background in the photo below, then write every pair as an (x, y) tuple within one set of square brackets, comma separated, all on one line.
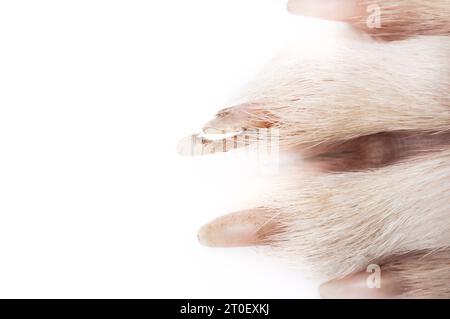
[(94, 200)]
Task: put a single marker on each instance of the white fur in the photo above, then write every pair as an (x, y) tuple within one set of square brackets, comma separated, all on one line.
[(356, 88), (341, 89), (340, 223)]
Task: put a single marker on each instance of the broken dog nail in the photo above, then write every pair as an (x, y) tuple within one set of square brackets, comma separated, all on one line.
[(232, 128)]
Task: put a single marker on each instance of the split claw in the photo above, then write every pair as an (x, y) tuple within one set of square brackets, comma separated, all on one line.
[(232, 128)]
